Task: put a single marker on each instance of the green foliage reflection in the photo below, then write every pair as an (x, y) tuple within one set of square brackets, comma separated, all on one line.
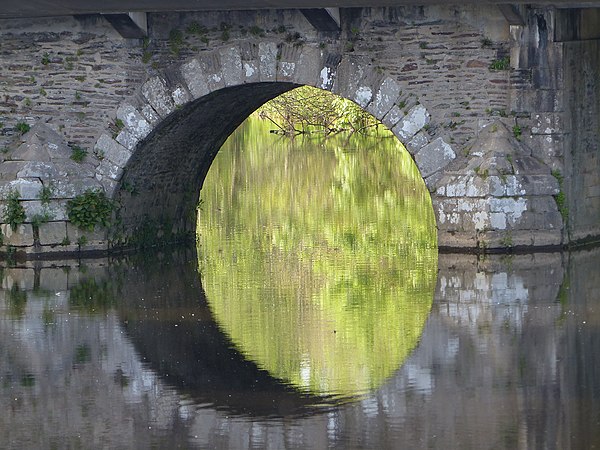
[(318, 258)]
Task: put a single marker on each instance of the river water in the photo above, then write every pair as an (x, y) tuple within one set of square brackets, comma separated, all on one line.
[(314, 313)]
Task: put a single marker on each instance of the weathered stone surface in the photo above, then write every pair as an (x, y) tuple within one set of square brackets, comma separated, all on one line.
[(231, 63), (28, 189), (54, 210), (384, 98), (156, 92), (434, 156), (41, 144), (180, 96), (52, 233), (195, 78), (66, 189), (22, 236), (39, 169), (267, 55), (419, 140), (309, 65), (133, 120), (112, 151), (412, 123), (88, 240), (108, 169)]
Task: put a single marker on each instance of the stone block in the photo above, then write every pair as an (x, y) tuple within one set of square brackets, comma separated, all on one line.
[(539, 184), (55, 209), (110, 170), (63, 189), (497, 186), (26, 188), (456, 186), (309, 65), (432, 181), (267, 56), (285, 71), (363, 95), (385, 98), (393, 117), (550, 220), (180, 96), (231, 66), (53, 233), (449, 239), (250, 71), (88, 240), (112, 151), (542, 204), (9, 169), (21, 237), (150, 115), (477, 187), (515, 186), (213, 72), (434, 157), (195, 78), (545, 238), (546, 123), (528, 220), (127, 140), (419, 140), (414, 121), (528, 165), (156, 92), (38, 169), (498, 221), (349, 73), (134, 121)]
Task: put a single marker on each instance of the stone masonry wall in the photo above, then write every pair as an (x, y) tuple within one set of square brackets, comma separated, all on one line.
[(582, 146), (435, 75)]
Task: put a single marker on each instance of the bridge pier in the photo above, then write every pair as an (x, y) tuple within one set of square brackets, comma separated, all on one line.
[(502, 118)]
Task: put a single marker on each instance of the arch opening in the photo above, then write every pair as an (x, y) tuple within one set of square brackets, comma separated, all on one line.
[(318, 256)]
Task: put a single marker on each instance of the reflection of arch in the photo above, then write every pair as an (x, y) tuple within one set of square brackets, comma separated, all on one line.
[(166, 137), (190, 352)]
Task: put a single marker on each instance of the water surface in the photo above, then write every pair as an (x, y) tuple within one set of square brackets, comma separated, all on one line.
[(316, 313)]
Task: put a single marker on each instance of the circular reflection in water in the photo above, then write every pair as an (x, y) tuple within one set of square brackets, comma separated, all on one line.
[(318, 258)]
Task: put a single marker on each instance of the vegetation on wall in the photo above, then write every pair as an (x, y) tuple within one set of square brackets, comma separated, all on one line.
[(90, 209), (14, 213)]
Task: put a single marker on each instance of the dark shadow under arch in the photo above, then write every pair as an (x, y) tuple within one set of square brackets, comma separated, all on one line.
[(160, 186)]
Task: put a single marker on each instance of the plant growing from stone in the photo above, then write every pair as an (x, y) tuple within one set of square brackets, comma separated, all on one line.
[(45, 194), (561, 198), (116, 127), (78, 154), (90, 209), (14, 213), (22, 127), (500, 64), (517, 131)]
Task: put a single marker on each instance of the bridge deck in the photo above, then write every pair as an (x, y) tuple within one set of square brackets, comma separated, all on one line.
[(41, 8)]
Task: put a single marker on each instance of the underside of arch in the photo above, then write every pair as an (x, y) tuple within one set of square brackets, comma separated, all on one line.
[(160, 186)]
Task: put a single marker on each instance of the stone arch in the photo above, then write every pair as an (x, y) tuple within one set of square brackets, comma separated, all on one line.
[(204, 99)]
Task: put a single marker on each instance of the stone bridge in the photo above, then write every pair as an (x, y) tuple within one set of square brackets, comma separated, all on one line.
[(498, 106)]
